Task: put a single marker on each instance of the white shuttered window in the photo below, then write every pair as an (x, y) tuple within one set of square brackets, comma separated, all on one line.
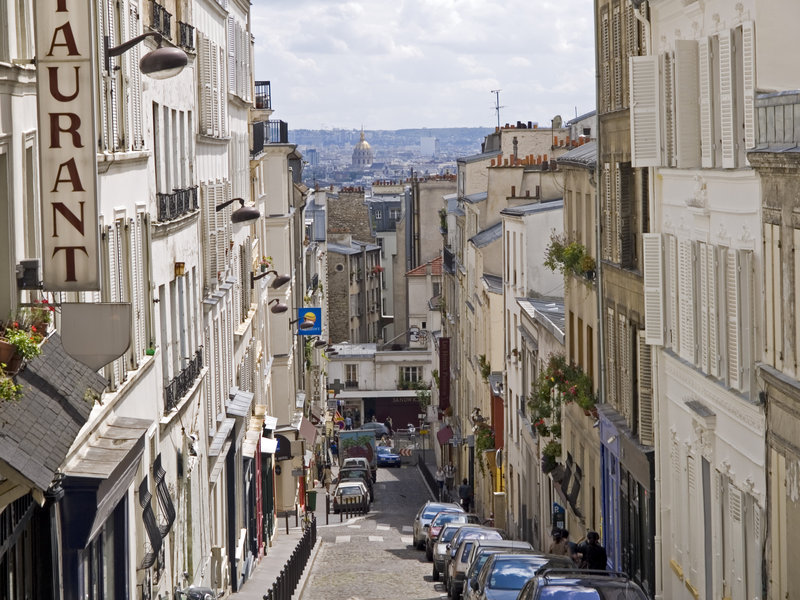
[(644, 111)]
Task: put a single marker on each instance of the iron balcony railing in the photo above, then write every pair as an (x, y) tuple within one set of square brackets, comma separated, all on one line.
[(185, 36), (182, 382), (263, 95), (268, 132), (177, 203), (161, 20), (351, 384)]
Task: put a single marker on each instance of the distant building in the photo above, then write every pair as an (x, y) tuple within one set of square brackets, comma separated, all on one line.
[(429, 146), (313, 157), (362, 154)]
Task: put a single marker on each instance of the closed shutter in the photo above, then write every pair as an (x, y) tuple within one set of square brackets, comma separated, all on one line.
[(749, 83), (773, 291), (687, 107), (676, 497), (616, 40), (668, 104), (673, 294), (206, 92), (627, 254), (733, 316), (611, 367), (687, 323), (644, 115), (605, 49), (727, 107), (232, 46), (134, 82), (735, 547), (692, 520), (607, 229), (706, 103), (653, 288), (645, 362), (102, 79)]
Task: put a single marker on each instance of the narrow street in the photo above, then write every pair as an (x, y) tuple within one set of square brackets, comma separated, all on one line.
[(372, 556)]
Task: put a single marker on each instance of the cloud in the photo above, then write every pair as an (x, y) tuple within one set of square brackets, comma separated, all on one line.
[(424, 63)]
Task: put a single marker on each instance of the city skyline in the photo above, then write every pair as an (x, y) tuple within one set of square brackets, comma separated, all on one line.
[(354, 64)]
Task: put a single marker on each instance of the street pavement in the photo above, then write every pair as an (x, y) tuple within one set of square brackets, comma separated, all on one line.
[(372, 556)]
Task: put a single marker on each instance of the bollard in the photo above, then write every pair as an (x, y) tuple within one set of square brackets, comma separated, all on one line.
[(296, 515), (286, 514), (327, 508)]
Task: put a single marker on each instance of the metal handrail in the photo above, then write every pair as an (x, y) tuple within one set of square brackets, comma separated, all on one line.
[(182, 382)]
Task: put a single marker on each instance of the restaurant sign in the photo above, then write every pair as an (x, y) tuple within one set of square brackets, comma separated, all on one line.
[(67, 156)]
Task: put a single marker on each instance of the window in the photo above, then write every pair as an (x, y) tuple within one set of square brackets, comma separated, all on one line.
[(351, 376), (216, 229), (238, 59), (410, 374), (378, 215), (212, 95), (394, 214)]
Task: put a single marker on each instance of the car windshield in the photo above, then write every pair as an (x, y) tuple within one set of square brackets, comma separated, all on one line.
[(431, 512), (447, 534), (448, 517), (350, 490), (513, 573), (570, 592), (354, 473)]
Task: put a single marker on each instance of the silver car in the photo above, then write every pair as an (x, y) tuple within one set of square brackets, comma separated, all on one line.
[(440, 550), (424, 517), (459, 561), (504, 575)]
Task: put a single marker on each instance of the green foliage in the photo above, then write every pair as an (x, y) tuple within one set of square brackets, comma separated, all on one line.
[(568, 257), (308, 352), (9, 390), (486, 367), (26, 342), (443, 220), (435, 375), (484, 440)]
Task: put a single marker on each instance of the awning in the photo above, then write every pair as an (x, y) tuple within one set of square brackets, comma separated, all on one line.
[(308, 431), (268, 445), (223, 431), (377, 394), (250, 443), (307, 458), (239, 405), (270, 422), (444, 435)]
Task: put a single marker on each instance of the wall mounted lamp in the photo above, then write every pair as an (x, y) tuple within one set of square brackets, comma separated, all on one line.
[(319, 343), (161, 63), (279, 307), (243, 214), (180, 269), (303, 325), (280, 280)]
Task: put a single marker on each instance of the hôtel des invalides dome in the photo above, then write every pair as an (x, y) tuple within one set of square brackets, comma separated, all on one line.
[(362, 153)]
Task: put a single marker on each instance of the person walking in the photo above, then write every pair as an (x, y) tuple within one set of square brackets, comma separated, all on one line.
[(348, 422), (465, 495), (572, 547), (558, 545), (327, 477), (439, 477), (593, 555), (449, 475)]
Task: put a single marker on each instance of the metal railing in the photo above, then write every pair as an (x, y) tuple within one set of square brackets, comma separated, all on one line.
[(161, 20), (182, 382), (269, 132), (185, 36), (177, 203), (263, 95), (290, 574)]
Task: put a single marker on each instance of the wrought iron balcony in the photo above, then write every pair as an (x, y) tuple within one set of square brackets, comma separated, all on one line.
[(268, 132), (263, 95), (176, 204), (185, 36), (161, 20), (351, 384), (183, 382)]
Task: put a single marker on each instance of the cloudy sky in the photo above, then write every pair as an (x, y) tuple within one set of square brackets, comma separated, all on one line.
[(392, 64)]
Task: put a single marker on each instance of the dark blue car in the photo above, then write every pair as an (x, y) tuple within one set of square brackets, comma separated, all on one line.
[(387, 458)]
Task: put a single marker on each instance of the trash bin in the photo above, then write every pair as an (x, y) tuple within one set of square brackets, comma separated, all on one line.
[(311, 500)]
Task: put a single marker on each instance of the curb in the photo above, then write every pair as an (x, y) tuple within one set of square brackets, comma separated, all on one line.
[(301, 585)]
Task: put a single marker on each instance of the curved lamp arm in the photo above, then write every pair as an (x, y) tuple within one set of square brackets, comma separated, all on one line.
[(159, 64)]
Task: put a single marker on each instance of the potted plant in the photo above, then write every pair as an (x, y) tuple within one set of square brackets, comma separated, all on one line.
[(486, 367), (25, 342), (9, 390), (265, 263), (588, 266), (566, 256)]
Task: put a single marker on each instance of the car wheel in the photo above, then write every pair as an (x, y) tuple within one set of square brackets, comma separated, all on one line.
[(435, 574)]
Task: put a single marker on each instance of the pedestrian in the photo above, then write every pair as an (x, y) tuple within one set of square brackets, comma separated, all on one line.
[(439, 477), (592, 554), (572, 547), (449, 475), (334, 449), (348, 422), (388, 424), (465, 495), (327, 477), (558, 545)]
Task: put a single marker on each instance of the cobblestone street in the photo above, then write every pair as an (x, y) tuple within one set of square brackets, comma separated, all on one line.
[(372, 556)]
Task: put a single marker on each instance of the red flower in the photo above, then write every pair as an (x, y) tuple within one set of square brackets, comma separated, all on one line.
[(33, 328)]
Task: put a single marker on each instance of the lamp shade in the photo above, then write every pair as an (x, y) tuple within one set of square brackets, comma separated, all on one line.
[(245, 214), (163, 63), (280, 280)]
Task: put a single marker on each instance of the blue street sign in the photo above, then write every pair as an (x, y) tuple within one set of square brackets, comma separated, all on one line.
[(309, 321)]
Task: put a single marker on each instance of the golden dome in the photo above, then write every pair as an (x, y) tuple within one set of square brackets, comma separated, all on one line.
[(362, 143)]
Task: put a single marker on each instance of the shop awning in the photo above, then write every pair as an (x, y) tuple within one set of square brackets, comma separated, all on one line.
[(239, 404), (268, 445), (250, 443), (444, 435), (270, 422), (308, 431)]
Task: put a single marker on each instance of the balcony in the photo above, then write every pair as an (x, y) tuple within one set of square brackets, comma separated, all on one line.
[(176, 204), (268, 132), (161, 20), (262, 107), (351, 385), (186, 36), (182, 382)]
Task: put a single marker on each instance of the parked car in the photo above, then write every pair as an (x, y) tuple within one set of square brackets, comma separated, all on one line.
[(474, 568), (362, 474), (457, 567), (479, 549), (440, 549), (351, 496), (387, 458), (442, 519), (504, 575), (467, 532), (423, 519), (564, 584), (379, 429), (358, 462)]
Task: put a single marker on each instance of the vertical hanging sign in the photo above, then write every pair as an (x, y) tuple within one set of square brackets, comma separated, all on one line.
[(67, 157)]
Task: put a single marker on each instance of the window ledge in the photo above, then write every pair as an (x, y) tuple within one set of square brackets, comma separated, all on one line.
[(112, 157), (212, 139), (170, 416)]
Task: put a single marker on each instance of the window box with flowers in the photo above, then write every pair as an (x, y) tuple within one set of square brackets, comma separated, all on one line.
[(9, 390), (569, 257), (265, 263)]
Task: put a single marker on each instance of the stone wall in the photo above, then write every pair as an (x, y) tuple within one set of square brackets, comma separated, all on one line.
[(349, 214), (338, 297)]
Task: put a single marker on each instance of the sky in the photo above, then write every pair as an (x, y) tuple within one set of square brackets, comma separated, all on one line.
[(396, 64)]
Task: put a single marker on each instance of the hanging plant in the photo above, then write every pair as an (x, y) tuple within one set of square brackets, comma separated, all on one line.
[(486, 367), (568, 257), (484, 440)]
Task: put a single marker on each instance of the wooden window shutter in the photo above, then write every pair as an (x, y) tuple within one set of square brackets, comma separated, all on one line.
[(138, 343), (706, 93), (616, 40), (611, 362), (624, 368), (134, 83), (733, 317), (204, 78), (673, 293), (605, 49), (644, 115), (653, 288), (207, 386), (617, 216), (668, 103), (712, 277), (749, 83), (627, 254), (232, 50), (727, 108), (217, 79), (102, 82), (236, 304), (687, 108), (222, 94), (645, 362), (687, 325), (607, 216), (113, 82), (774, 298)]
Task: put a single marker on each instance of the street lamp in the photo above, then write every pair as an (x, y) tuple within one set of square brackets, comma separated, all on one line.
[(280, 280), (279, 307), (161, 63), (305, 324), (243, 214)]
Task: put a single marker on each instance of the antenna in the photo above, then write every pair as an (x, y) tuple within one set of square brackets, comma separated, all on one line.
[(497, 106)]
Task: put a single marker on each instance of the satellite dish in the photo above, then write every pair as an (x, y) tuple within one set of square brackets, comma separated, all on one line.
[(498, 458)]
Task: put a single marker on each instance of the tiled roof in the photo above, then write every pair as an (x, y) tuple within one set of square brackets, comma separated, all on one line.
[(422, 270), (583, 156), (533, 207), (477, 197), (488, 235)]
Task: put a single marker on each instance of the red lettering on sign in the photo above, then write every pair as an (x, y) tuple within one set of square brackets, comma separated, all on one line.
[(73, 178), (62, 6), (56, 129), (55, 92), (69, 40), (70, 216), (70, 256)]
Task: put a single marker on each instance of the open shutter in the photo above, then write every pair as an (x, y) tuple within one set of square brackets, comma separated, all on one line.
[(204, 79), (749, 83), (706, 103), (216, 87), (668, 103), (625, 220), (607, 216), (605, 59), (727, 108), (625, 382), (653, 289), (645, 361), (733, 316), (773, 289), (645, 129), (223, 95), (113, 81), (102, 80), (687, 108), (705, 325), (617, 218), (135, 82), (231, 53), (616, 40), (687, 325), (673, 295), (712, 277), (611, 367)]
